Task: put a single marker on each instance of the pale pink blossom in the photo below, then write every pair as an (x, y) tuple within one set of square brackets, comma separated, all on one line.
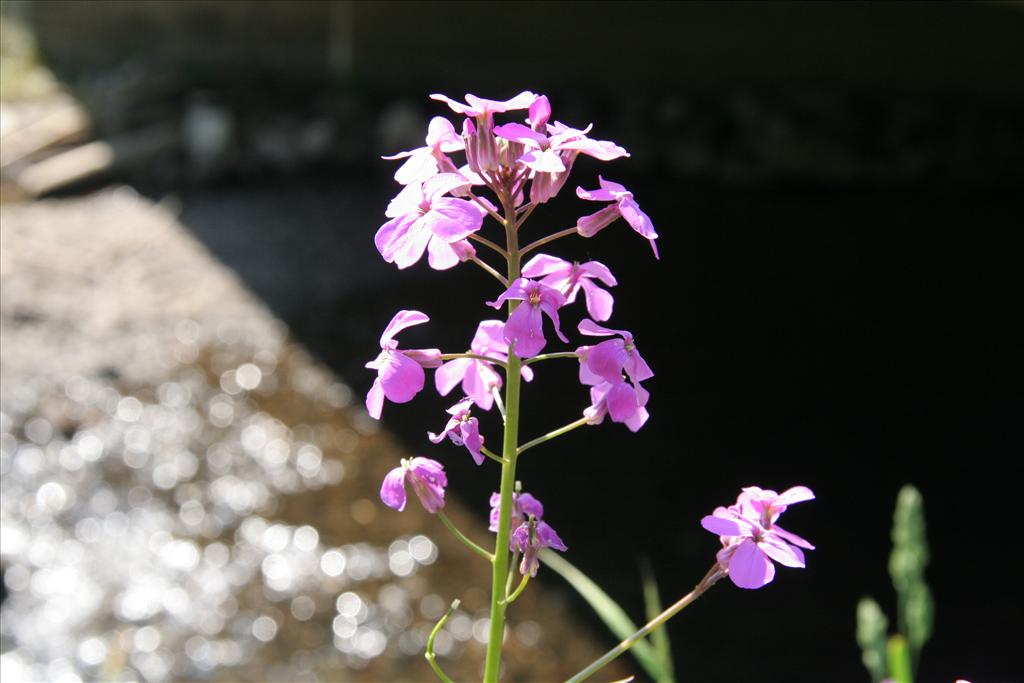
[(624, 206), (463, 430), (750, 538), (424, 219), (424, 162), (570, 278), (428, 481), (524, 328), (400, 373), (478, 377)]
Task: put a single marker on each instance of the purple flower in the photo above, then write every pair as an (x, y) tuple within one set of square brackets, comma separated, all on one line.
[(551, 156), (545, 153), (620, 400), (529, 538), (400, 374), (422, 218), (524, 328), (608, 359), (524, 506), (428, 481), (751, 540), (482, 151), (624, 206), (766, 506), (479, 378), (463, 430), (424, 162), (484, 110), (569, 278)]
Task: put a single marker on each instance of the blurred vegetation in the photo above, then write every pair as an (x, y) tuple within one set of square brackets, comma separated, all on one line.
[(897, 656), (22, 75)]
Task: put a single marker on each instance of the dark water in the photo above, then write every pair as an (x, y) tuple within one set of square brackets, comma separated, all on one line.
[(850, 340)]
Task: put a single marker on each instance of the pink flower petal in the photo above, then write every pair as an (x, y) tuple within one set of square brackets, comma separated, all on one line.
[(517, 132), (543, 161), (450, 374), (375, 399), (524, 329), (791, 537), (441, 255), (782, 552), (588, 226), (401, 378), (543, 264), (750, 567), (392, 491), (796, 494), (599, 302), (409, 249), (418, 167), (401, 321)]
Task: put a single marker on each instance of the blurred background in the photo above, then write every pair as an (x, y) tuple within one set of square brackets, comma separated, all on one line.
[(190, 291)]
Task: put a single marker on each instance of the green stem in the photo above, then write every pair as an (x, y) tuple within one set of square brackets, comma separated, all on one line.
[(511, 571), (707, 582), (551, 435), (451, 356), (525, 214), (483, 205), (462, 537), (493, 456), (429, 654), (549, 356), (491, 271), (519, 589), (499, 569), (487, 243), (544, 240)]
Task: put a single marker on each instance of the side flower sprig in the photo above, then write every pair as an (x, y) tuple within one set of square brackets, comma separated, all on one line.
[(751, 539)]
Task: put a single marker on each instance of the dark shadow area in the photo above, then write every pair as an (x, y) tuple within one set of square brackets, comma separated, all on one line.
[(836, 186)]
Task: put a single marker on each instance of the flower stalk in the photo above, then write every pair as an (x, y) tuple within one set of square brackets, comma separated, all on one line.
[(553, 434), (463, 538), (709, 580), (510, 452)]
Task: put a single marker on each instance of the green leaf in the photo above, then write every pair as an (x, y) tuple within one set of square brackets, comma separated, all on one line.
[(659, 638), (871, 630), (613, 616)]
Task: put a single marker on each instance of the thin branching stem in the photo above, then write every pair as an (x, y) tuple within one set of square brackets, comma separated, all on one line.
[(513, 564), (462, 537), (519, 589), (552, 434), (526, 214), (494, 214), (491, 271), (474, 356), (707, 582), (493, 456), (544, 240), (487, 243), (429, 654), (549, 356), (496, 392)]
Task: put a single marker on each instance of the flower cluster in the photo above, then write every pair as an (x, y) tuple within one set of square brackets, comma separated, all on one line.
[(474, 169), (531, 533), (751, 539), (439, 212)]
